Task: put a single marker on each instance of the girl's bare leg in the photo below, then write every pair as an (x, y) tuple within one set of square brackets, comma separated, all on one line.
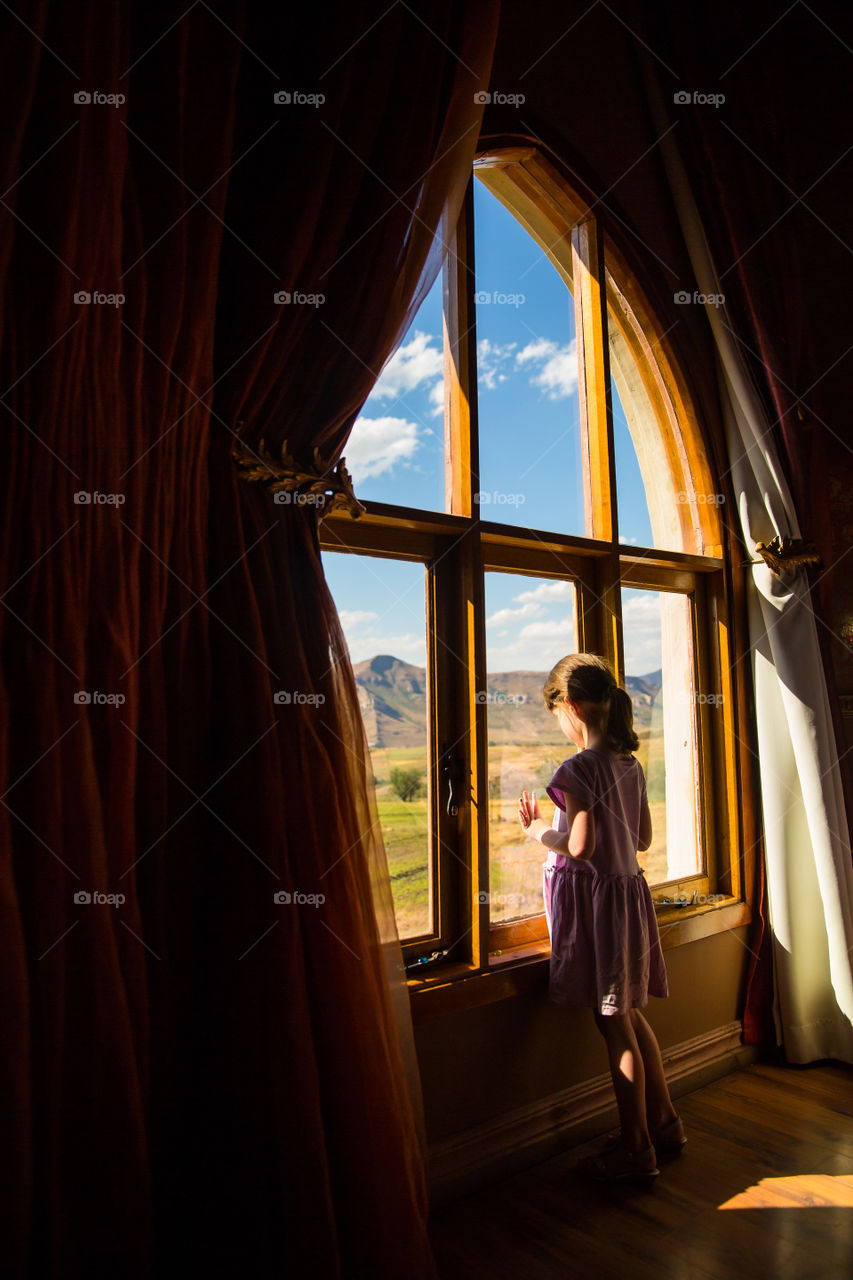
[(629, 1078), (659, 1108)]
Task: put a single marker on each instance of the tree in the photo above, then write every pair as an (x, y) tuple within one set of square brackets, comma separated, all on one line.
[(408, 783)]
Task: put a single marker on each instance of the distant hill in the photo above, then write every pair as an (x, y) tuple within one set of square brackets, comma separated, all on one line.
[(392, 697)]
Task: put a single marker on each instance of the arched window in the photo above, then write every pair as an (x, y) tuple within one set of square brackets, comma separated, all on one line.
[(536, 481)]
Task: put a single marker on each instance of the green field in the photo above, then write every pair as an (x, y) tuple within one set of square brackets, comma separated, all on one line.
[(515, 863)]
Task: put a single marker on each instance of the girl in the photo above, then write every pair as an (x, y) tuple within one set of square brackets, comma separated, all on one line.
[(605, 947)]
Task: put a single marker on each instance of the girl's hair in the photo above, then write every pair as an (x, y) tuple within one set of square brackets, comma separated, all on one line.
[(585, 677)]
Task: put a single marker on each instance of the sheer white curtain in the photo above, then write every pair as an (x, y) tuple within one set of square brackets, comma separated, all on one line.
[(807, 847)]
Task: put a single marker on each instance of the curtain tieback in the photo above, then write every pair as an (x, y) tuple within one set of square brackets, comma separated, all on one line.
[(319, 485)]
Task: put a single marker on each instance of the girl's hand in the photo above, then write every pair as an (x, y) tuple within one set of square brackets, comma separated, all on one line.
[(528, 810)]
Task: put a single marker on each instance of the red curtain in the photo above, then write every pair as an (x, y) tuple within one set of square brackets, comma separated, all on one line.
[(193, 1072)]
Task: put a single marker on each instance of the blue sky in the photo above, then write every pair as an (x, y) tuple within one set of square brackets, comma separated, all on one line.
[(529, 460)]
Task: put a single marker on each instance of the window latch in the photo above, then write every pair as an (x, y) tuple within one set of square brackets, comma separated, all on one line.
[(453, 774)]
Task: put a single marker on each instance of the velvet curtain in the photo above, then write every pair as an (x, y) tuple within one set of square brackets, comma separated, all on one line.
[(192, 1070), (734, 175)]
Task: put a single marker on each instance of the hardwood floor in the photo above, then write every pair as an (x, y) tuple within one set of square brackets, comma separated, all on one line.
[(764, 1188)]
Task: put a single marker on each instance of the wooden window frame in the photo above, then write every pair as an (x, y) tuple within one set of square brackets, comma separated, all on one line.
[(457, 549)]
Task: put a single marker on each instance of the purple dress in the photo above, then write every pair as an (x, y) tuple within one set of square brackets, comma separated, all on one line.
[(605, 945)]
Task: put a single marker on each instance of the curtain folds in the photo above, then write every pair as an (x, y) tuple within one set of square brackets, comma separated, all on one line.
[(808, 867), (193, 1070)]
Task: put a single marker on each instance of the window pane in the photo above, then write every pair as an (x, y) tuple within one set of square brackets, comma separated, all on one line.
[(650, 512), (396, 450), (530, 625), (382, 606), (659, 667), (527, 378)]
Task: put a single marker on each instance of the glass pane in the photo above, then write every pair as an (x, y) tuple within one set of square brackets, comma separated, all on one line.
[(659, 667), (527, 378), (648, 502), (530, 625), (396, 450), (382, 606)]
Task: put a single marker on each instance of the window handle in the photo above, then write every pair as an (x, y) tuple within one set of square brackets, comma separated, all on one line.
[(453, 773)]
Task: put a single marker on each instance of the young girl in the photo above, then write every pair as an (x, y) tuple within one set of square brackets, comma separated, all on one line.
[(605, 947)]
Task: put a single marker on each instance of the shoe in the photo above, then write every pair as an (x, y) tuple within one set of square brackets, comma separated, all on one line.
[(614, 1164), (670, 1138)]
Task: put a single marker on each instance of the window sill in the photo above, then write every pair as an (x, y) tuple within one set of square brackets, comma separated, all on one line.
[(524, 970)]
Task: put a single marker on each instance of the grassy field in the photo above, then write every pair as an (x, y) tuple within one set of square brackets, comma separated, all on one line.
[(515, 863)]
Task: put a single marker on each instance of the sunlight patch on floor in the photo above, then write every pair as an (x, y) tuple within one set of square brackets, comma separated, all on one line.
[(800, 1191)]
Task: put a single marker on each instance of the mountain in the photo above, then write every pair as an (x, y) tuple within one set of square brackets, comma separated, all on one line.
[(392, 697)]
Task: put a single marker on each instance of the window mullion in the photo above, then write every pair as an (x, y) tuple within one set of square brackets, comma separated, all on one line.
[(461, 453), (596, 424)]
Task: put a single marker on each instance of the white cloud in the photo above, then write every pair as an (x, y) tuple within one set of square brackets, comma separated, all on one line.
[(412, 364), (356, 617), (436, 399), (503, 616), (548, 591), (491, 357), (557, 375), (377, 445), (410, 647)]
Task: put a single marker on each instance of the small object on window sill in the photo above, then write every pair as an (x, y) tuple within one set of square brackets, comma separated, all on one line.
[(422, 961), (678, 902)]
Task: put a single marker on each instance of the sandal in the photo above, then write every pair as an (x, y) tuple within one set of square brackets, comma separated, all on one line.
[(670, 1138), (614, 1164)]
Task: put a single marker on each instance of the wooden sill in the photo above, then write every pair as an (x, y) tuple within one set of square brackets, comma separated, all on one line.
[(524, 970)]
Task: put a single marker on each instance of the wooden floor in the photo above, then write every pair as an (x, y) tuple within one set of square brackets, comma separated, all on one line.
[(764, 1188)]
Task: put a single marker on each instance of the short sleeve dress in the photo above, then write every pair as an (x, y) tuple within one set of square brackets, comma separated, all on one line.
[(605, 945)]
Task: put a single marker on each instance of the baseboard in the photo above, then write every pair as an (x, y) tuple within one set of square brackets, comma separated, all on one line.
[(517, 1139)]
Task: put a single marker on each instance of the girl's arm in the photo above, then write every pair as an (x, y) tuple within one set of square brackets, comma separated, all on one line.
[(645, 825), (578, 841)]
